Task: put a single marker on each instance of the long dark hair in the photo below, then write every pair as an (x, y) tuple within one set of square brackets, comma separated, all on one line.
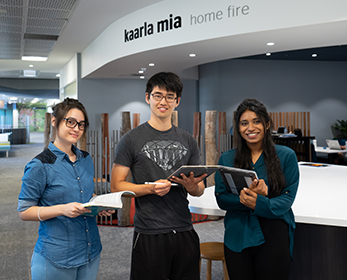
[(243, 158)]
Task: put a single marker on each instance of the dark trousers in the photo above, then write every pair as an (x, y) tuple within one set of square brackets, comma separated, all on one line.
[(173, 256), (268, 261)]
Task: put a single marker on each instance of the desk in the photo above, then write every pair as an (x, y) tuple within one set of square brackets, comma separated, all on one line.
[(320, 209), (205, 204), (321, 197), (331, 153)]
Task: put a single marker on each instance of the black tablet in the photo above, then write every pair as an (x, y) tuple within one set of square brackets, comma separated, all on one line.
[(235, 179), (198, 170)]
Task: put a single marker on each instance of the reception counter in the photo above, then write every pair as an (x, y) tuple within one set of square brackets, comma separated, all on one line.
[(321, 197), (320, 209)]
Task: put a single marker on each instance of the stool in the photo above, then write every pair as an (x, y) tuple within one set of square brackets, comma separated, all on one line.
[(213, 251)]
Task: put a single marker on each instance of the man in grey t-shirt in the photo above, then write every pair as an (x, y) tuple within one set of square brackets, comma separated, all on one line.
[(165, 244)]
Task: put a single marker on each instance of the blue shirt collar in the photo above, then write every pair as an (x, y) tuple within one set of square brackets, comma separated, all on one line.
[(61, 155)]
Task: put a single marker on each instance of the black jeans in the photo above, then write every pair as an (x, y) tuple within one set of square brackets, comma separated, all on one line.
[(268, 261)]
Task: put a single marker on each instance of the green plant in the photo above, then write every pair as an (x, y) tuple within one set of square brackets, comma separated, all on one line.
[(342, 127)]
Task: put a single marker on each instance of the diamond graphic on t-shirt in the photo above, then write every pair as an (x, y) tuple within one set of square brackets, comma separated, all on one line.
[(164, 153)]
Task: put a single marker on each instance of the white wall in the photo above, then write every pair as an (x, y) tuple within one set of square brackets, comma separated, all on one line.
[(212, 23)]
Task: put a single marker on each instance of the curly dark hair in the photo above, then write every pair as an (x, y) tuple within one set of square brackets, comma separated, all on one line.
[(61, 109), (243, 157)]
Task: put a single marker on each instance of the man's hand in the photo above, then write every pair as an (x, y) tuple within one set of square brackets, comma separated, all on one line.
[(191, 183), (161, 188)]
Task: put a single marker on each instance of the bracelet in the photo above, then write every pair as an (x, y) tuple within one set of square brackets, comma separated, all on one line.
[(38, 214)]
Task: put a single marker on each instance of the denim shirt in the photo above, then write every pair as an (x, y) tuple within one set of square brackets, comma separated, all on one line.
[(51, 179)]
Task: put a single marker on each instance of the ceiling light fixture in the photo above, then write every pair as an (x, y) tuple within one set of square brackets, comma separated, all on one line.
[(34, 58), (142, 77), (268, 54), (192, 55), (151, 64), (30, 65), (29, 73), (58, 75), (314, 55), (270, 43), (141, 71)]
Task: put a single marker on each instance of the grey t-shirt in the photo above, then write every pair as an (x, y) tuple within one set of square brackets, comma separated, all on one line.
[(152, 155)]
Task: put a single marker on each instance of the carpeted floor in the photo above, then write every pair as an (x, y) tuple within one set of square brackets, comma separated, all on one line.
[(17, 238)]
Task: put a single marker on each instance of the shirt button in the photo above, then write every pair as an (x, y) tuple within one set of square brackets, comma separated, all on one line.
[(78, 178), (88, 244), (81, 191), (86, 230)]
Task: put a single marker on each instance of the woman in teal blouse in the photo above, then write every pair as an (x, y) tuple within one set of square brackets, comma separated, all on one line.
[(259, 224)]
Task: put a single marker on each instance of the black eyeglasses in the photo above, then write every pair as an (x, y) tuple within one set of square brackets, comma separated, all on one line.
[(169, 98), (71, 123)]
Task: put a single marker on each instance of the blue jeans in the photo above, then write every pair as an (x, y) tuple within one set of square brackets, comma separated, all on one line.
[(43, 269)]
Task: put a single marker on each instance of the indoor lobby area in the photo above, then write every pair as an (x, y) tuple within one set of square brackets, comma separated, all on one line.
[(289, 55)]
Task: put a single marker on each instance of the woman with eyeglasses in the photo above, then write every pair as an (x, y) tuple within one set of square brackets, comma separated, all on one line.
[(55, 184)]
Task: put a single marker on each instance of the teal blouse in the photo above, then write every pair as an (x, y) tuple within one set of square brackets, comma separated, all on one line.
[(242, 229)]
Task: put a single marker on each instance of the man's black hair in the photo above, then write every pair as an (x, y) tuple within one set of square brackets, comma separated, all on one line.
[(167, 80)]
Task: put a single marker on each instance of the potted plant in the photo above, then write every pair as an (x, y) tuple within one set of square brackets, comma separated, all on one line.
[(341, 129)]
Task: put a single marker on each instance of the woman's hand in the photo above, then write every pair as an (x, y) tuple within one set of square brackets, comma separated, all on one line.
[(74, 209), (248, 198), (106, 213), (259, 187)]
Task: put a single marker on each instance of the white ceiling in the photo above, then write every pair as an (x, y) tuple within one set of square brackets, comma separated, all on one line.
[(76, 23)]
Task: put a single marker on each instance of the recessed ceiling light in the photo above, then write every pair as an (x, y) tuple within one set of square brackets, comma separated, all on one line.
[(31, 65), (192, 55), (151, 64), (268, 54), (270, 43), (29, 73), (58, 75), (141, 71), (314, 55), (34, 58), (142, 77)]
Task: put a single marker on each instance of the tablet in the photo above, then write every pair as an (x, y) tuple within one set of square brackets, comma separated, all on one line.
[(235, 179), (197, 169)]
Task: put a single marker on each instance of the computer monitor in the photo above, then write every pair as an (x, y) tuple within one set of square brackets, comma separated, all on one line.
[(280, 129)]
